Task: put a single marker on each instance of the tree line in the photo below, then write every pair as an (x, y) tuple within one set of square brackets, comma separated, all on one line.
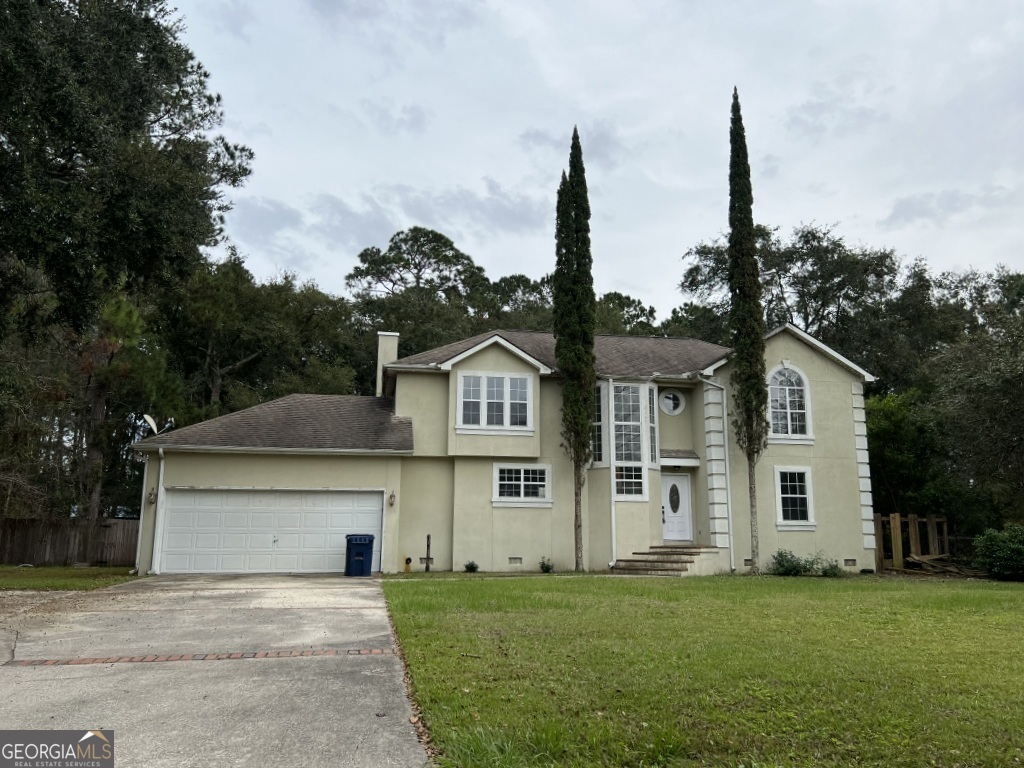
[(113, 187)]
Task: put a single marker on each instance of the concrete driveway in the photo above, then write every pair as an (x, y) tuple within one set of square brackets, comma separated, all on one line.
[(216, 671)]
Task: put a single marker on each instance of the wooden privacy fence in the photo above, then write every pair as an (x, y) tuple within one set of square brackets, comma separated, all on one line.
[(899, 539), (62, 542)]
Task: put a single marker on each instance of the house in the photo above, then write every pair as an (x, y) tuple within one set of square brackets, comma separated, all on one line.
[(462, 444)]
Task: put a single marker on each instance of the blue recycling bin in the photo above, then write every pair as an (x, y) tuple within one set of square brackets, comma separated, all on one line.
[(358, 554)]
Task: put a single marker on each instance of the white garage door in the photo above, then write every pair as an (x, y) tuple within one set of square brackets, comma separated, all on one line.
[(213, 531)]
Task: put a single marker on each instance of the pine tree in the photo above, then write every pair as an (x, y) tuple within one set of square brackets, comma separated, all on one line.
[(746, 319), (575, 315)]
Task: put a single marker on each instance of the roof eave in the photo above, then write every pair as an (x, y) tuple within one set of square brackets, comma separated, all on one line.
[(139, 448)]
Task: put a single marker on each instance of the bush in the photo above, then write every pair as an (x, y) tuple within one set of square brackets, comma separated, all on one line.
[(785, 563), (471, 567), (546, 566), (831, 569), (1001, 553)]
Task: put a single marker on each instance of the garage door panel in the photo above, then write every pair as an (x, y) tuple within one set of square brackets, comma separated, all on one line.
[(316, 520), (261, 540), (236, 520), (265, 531), (262, 520), (209, 519), (207, 541)]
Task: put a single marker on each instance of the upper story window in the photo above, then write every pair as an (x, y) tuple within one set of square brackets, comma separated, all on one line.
[(495, 401), (789, 404), (597, 428)]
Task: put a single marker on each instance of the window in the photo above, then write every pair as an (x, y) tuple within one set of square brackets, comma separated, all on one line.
[(793, 498), (522, 485), (788, 404), (596, 429), (652, 424), (628, 440), (495, 402), (672, 402)]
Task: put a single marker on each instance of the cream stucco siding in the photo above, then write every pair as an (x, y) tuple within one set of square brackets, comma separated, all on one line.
[(427, 500), (830, 461), (423, 397), (676, 432)]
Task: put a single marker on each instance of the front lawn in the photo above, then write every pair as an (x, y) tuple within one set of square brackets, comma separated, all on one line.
[(721, 671), (51, 578)]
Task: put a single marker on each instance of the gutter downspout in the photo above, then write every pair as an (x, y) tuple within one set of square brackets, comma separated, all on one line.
[(611, 464), (728, 475)]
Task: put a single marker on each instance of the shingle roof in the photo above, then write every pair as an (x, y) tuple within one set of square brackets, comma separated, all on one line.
[(678, 453), (617, 356), (304, 422)]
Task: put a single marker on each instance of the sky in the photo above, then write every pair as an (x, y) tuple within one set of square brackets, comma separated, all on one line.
[(900, 123)]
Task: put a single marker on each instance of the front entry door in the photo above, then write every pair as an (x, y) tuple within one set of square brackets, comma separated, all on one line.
[(675, 508)]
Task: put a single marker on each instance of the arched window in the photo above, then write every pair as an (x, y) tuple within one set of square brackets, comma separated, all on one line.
[(787, 399)]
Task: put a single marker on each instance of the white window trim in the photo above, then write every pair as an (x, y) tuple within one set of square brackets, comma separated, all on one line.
[(645, 448), (494, 429), (682, 401), (793, 525), (654, 449), (807, 439), (605, 445), (505, 501)]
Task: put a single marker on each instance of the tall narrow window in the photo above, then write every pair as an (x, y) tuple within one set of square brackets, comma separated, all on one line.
[(788, 402), (596, 431), (629, 455), (793, 498), (495, 401), (471, 400), (652, 422), (518, 397)]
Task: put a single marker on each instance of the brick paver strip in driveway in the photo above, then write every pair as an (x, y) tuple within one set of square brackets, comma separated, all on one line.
[(316, 680)]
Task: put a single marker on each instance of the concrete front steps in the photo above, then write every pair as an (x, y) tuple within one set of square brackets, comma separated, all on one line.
[(675, 559)]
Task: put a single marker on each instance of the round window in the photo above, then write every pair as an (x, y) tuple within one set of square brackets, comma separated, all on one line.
[(672, 401)]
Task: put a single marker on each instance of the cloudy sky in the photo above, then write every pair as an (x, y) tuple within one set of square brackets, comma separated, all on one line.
[(899, 121)]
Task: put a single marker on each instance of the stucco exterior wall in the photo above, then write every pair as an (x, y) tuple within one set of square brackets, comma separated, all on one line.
[(423, 397), (676, 432), (831, 460), (427, 500)]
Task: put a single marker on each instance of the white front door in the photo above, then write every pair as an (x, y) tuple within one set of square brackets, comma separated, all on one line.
[(675, 508)]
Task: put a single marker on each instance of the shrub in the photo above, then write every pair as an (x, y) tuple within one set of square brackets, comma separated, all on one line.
[(1001, 553), (471, 567), (831, 569), (785, 563), (546, 566)]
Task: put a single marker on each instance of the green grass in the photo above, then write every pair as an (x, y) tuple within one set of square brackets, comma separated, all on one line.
[(53, 578), (721, 671)]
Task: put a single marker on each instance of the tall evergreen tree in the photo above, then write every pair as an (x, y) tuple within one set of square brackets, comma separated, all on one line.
[(575, 312), (746, 319)]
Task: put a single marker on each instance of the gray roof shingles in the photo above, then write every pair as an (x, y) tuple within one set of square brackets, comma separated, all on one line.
[(299, 422), (632, 357)]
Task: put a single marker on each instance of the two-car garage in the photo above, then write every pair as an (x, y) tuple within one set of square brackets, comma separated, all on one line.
[(264, 531)]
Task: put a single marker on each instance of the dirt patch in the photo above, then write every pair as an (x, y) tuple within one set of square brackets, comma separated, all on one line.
[(14, 602)]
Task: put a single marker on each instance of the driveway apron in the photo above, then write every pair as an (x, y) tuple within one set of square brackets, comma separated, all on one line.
[(282, 670)]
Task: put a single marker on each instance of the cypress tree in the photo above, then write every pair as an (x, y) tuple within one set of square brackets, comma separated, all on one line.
[(746, 319), (575, 316)]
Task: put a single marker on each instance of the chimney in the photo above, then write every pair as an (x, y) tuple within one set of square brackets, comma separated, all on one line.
[(387, 352)]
